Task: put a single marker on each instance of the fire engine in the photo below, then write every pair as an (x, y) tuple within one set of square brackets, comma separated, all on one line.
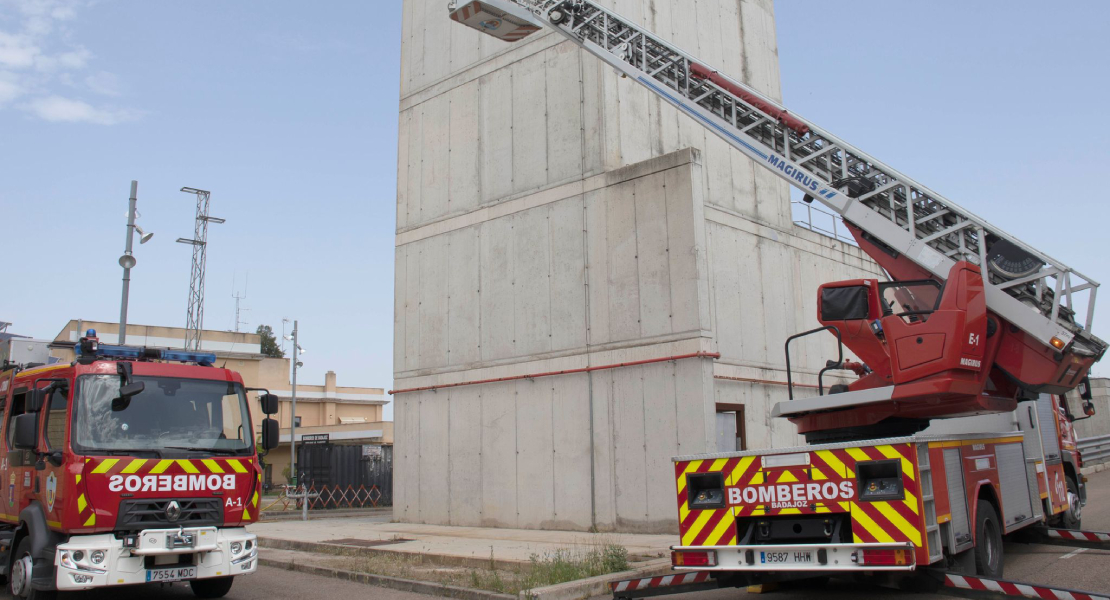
[(956, 430), (130, 465)]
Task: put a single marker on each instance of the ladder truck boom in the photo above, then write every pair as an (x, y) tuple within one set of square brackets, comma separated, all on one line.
[(913, 232)]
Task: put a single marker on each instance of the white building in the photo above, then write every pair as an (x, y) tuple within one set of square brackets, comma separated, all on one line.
[(552, 216)]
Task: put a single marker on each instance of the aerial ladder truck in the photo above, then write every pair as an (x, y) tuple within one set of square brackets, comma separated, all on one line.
[(971, 322)]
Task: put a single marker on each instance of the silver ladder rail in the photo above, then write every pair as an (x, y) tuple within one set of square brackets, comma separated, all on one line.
[(1025, 286)]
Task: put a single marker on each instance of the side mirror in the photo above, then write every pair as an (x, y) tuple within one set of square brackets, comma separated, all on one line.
[(26, 431), (1089, 408), (270, 433), (269, 404), (125, 393), (38, 399)]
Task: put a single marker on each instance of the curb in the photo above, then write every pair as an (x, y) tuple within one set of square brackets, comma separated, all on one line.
[(344, 550), (404, 585), (1092, 469), (295, 515), (595, 586)]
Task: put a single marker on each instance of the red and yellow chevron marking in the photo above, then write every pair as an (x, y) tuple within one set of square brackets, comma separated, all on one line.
[(85, 514), (144, 466), (887, 521)]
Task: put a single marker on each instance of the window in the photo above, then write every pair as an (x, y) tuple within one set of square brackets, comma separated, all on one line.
[(56, 420), (19, 404), (911, 299), (297, 420)]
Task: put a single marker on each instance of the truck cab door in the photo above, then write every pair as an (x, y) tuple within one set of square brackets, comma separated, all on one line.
[(16, 466), (54, 480)]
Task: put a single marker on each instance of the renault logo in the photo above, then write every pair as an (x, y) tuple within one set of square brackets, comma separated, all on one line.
[(173, 511)]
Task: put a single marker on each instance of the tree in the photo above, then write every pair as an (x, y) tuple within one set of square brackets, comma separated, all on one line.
[(269, 342)]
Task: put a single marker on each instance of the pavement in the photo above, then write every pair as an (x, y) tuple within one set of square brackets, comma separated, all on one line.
[(470, 543)]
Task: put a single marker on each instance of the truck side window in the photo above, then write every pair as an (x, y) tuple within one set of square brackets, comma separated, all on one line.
[(56, 420), (19, 403)]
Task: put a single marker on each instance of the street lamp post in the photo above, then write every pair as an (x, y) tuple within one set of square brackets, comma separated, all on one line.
[(297, 352), (293, 413), (127, 261)]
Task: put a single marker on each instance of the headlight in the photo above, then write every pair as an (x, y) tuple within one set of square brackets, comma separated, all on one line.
[(236, 547), (78, 555), (250, 544), (67, 561), (97, 556)]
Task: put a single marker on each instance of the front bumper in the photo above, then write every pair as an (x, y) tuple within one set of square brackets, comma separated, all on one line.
[(802, 557), (127, 566)]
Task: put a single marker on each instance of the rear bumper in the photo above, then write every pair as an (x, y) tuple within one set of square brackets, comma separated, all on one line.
[(122, 566), (799, 557)]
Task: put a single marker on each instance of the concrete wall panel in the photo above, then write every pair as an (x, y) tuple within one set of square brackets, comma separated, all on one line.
[(434, 462), (570, 426), (465, 176), (433, 317), (464, 302), (496, 141), (568, 284), (499, 459), (497, 288), (529, 123), (564, 112), (532, 282), (652, 250), (465, 484), (535, 452)]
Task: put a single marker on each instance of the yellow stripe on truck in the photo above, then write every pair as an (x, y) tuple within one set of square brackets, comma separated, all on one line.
[(161, 466), (188, 466), (901, 523), (236, 465), (104, 466), (890, 452), (871, 526), (212, 465), (134, 466)]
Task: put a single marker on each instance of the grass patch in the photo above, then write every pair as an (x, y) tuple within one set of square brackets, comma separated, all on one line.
[(559, 566)]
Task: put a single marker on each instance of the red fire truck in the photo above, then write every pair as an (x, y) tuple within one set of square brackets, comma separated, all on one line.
[(955, 431), (129, 465)]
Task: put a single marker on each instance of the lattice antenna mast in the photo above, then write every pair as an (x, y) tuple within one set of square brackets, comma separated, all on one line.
[(194, 322)]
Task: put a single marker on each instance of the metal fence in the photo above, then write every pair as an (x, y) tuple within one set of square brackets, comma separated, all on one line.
[(1095, 449), (346, 476)]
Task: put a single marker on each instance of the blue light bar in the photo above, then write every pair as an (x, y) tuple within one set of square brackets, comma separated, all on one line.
[(205, 359)]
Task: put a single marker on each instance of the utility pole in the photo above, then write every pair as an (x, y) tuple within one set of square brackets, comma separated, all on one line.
[(127, 261), (194, 322), (293, 413)]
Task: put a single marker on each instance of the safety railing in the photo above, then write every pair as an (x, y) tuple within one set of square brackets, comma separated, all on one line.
[(817, 220), (1095, 449)]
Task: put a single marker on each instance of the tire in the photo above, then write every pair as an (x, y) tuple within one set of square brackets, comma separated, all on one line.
[(217, 587), (19, 579), (1072, 518), (988, 541)]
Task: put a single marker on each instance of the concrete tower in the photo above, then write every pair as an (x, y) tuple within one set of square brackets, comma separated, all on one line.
[(552, 216)]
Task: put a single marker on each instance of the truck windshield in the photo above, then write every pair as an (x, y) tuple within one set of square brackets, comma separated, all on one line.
[(196, 414)]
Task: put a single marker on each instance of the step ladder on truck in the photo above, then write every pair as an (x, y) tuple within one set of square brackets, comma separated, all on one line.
[(974, 331)]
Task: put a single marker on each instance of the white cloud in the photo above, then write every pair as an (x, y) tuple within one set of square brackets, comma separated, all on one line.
[(103, 83), (66, 110), (9, 89), (37, 58)]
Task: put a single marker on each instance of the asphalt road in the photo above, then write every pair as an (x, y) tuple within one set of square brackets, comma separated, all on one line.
[(266, 584), (1084, 570)]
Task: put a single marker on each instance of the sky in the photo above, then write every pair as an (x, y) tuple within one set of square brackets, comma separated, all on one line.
[(287, 112)]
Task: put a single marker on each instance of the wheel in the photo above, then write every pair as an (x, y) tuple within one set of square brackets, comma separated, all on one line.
[(217, 587), (557, 15), (1072, 517), (988, 541), (19, 583)]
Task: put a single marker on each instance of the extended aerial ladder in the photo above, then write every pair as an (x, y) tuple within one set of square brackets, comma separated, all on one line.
[(1041, 309)]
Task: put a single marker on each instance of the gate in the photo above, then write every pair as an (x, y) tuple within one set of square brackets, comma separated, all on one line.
[(346, 476)]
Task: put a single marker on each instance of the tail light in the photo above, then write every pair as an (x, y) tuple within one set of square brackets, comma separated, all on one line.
[(882, 558), (704, 558)]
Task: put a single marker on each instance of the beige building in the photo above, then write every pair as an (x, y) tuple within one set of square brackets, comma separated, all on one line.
[(349, 415)]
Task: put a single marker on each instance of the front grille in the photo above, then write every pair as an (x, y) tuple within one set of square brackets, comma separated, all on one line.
[(147, 514)]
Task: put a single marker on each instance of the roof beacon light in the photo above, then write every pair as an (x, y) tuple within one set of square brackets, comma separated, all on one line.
[(91, 349)]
